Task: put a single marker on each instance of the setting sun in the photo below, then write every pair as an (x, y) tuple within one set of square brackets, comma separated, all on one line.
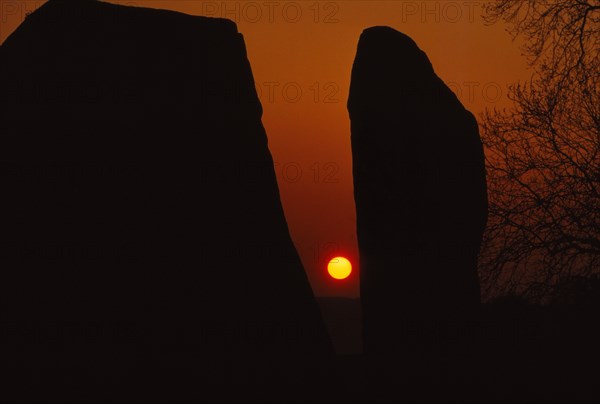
[(339, 268)]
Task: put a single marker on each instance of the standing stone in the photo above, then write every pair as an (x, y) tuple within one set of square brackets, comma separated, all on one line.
[(420, 193), (142, 228)]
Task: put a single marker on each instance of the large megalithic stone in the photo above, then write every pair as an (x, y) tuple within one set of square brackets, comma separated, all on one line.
[(420, 192), (142, 226)]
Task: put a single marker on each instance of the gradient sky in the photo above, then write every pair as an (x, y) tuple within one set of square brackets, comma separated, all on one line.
[(301, 54)]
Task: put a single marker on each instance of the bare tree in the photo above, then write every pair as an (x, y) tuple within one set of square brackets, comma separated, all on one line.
[(543, 153)]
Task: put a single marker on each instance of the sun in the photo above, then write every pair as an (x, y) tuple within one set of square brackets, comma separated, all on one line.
[(339, 268)]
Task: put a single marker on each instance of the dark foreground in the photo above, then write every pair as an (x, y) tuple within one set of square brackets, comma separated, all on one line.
[(519, 353)]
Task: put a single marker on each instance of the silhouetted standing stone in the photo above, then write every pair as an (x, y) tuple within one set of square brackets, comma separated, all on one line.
[(420, 194), (141, 220)]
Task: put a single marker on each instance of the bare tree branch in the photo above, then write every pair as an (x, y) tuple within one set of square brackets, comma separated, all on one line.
[(543, 153)]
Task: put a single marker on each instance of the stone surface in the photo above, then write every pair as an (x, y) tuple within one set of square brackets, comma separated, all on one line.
[(141, 218), (420, 193)]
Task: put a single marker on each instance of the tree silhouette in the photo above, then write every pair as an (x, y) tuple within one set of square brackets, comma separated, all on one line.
[(543, 153)]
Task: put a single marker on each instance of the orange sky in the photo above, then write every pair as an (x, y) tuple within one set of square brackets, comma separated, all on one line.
[(301, 54)]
